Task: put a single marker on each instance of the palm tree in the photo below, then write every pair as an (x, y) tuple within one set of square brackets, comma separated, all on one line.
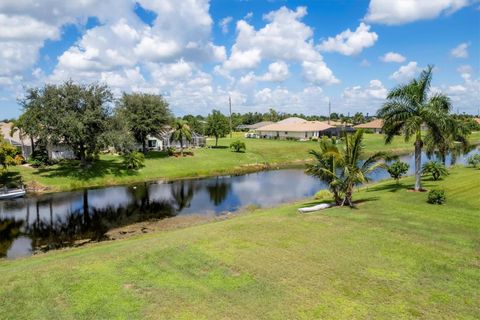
[(410, 106), (436, 169), (453, 139), (354, 170), (327, 159), (181, 132), (342, 169)]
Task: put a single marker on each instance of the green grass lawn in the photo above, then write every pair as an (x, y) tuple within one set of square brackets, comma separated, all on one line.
[(393, 257), (206, 162)]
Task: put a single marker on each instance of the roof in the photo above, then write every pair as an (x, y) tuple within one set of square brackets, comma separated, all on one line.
[(294, 126), (374, 124), (477, 119), (291, 120), (337, 123), (255, 125), (5, 128)]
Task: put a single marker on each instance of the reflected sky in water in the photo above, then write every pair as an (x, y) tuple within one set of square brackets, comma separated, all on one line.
[(58, 220)]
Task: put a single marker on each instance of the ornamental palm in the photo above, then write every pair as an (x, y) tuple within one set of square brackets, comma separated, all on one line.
[(325, 167), (355, 170), (181, 132), (408, 107)]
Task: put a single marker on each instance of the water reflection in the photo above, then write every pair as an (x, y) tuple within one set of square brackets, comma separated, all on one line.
[(64, 219)]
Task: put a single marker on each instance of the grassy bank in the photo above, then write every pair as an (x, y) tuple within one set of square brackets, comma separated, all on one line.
[(206, 162), (394, 257)]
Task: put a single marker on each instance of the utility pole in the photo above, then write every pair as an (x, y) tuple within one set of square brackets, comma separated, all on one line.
[(230, 104), (329, 110)]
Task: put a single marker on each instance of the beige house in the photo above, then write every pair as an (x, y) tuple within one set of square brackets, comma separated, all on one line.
[(23, 143), (295, 128), (375, 125)]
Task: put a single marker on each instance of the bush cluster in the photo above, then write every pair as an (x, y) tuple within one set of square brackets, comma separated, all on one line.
[(436, 196)]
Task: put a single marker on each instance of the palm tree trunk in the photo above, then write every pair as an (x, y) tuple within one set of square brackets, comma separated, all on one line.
[(216, 141), (181, 147), (418, 164)]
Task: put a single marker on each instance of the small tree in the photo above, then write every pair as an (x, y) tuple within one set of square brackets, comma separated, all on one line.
[(474, 161), (435, 168), (133, 160), (181, 132), (398, 169), (238, 146), (7, 154), (217, 125)]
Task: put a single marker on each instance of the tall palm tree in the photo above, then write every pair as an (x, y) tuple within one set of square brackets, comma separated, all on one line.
[(343, 168), (181, 132), (410, 106)]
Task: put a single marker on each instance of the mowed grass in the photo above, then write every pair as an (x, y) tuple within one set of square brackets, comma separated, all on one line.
[(393, 257), (206, 162)]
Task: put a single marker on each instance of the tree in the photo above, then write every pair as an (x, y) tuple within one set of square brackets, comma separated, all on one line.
[(181, 132), (7, 154), (344, 168), (410, 106), (145, 114), (217, 125), (238, 146), (133, 160), (73, 114), (398, 169), (325, 167), (435, 168)]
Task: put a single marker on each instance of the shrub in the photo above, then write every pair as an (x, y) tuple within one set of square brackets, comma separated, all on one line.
[(171, 151), (398, 169), (435, 168), (133, 160), (474, 161), (436, 197), (238, 146), (39, 158), (324, 195)]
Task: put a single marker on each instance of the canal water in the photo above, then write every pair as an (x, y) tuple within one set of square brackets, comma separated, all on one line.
[(61, 219)]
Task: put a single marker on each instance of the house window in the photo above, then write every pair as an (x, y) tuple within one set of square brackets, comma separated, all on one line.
[(286, 133), (152, 143)]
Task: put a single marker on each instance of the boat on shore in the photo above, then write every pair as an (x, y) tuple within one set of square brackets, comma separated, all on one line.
[(7, 194)]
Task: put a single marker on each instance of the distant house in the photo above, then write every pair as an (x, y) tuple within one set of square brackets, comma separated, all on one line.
[(295, 128), (477, 119), (254, 126), (22, 143), (374, 125), (162, 141)]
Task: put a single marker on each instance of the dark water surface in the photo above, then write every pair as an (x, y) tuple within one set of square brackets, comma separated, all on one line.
[(58, 220)]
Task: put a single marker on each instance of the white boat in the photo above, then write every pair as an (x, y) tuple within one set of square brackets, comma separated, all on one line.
[(7, 194)]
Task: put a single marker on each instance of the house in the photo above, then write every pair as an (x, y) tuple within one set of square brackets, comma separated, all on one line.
[(162, 141), (295, 128), (254, 126), (375, 125), (21, 142), (477, 119)]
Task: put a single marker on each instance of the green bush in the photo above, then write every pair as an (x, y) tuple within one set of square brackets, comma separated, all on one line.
[(171, 151), (436, 197), (398, 169), (474, 161), (435, 168), (39, 158), (238, 146), (133, 160), (324, 195)]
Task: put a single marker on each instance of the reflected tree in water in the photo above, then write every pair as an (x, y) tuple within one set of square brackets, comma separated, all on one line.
[(218, 191), (9, 231), (182, 193)]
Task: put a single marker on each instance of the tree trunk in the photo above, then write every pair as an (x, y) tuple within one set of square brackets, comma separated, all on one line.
[(216, 141), (418, 164), (33, 144), (181, 147), (144, 146), (83, 158)]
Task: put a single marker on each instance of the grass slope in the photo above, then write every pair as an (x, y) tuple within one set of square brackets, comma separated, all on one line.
[(206, 162), (394, 257)]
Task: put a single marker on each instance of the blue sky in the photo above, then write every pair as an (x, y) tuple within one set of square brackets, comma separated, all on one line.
[(294, 56)]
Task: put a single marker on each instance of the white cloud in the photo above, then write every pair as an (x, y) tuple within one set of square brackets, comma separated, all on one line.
[(284, 37), (277, 72), (224, 24), (395, 12), (464, 95), (359, 99), (350, 42), (392, 57), (460, 51), (406, 72)]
